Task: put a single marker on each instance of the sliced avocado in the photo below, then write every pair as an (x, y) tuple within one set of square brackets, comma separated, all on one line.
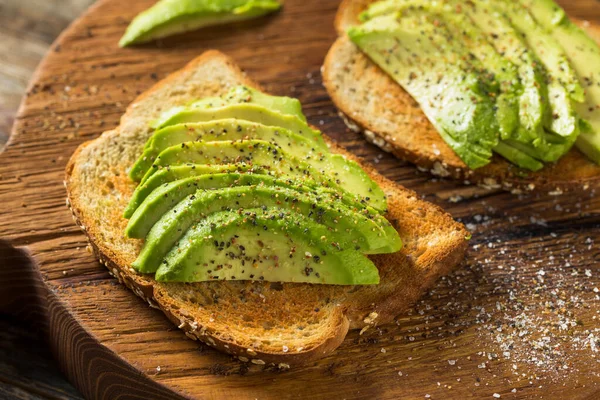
[(563, 85), (501, 74), (184, 175), (245, 94), (249, 112), (544, 45), (260, 245), (451, 93), (368, 221), (498, 31), (584, 55), (342, 224), (537, 89), (227, 129), (169, 17), (548, 151), (518, 156), (588, 143), (166, 175), (351, 178)]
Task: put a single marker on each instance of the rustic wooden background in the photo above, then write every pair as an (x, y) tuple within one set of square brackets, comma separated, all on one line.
[(536, 233), (27, 28)]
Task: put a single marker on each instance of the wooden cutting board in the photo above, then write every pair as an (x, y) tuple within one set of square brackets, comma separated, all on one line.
[(519, 319)]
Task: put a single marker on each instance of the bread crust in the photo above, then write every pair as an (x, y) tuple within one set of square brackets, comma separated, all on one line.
[(389, 118), (332, 309)]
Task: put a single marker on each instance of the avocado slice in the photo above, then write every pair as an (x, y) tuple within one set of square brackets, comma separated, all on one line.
[(169, 17), (246, 111), (452, 94), (263, 246), (515, 153), (347, 216), (348, 229), (482, 25), (185, 175), (501, 74), (563, 84), (166, 175), (584, 55), (227, 129), (544, 45), (351, 178), (245, 94), (499, 32)]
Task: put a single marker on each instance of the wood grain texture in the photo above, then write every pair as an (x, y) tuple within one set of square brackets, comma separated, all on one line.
[(26, 31), (520, 319)]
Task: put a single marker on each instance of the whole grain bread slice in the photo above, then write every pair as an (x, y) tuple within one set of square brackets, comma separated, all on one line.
[(274, 323), (372, 103)]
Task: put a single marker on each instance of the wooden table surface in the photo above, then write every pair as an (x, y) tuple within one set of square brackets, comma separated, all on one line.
[(27, 27)]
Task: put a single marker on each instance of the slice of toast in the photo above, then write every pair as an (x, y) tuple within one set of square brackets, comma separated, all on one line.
[(278, 323), (372, 103)]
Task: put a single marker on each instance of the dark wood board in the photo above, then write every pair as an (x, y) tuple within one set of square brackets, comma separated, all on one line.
[(520, 318)]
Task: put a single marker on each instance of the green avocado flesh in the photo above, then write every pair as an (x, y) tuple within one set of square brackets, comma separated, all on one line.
[(346, 228), (255, 175), (180, 172), (261, 245), (503, 55), (225, 130), (246, 111), (349, 218), (244, 94), (584, 55), (409, 48), (169, 17), (334, 172)]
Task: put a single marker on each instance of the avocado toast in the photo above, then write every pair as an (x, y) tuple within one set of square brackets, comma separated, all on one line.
[(536, 92), (262, 322)]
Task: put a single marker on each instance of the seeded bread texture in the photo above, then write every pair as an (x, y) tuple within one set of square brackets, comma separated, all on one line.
[(372, 103), (264, 323)]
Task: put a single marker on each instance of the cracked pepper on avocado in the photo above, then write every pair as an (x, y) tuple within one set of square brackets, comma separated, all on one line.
[(512, 77), (239, 187)]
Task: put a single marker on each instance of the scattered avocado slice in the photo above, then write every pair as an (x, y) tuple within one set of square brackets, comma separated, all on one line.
[(408, 46), (347, 216), (350, 178), (348, 229), (226, 130), (263, 246), (584, 55), (169, 17)]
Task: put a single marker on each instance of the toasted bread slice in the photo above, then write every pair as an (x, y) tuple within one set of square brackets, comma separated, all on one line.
[(279, 323), (372, 103)]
